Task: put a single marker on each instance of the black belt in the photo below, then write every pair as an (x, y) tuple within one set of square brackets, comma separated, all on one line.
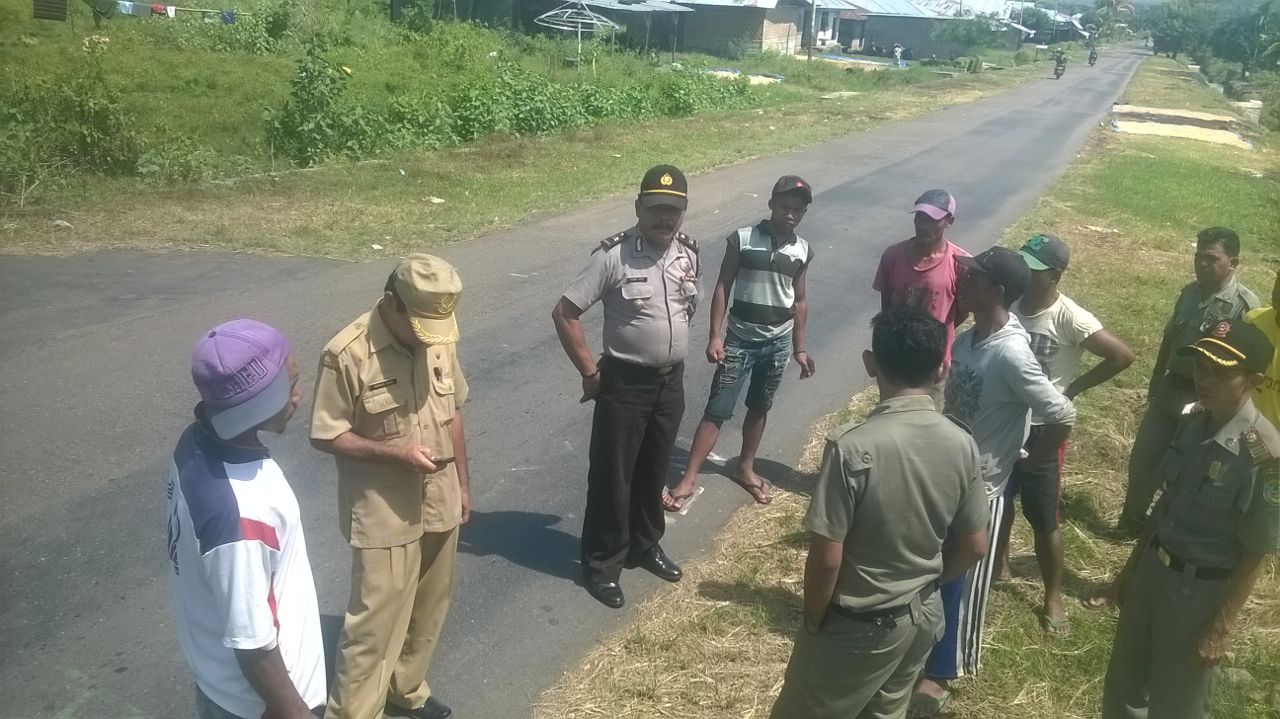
[(613, 364), (1172, 561), (888, 616)]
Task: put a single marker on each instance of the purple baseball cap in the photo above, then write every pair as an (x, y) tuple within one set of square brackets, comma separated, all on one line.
[(239, 369), (938, 204)]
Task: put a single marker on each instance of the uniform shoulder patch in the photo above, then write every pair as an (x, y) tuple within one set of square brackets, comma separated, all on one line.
[(687, 241), (1271, 484), (609, 243), (329, 360)]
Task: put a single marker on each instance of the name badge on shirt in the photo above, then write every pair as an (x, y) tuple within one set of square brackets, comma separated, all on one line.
[(383, 383)]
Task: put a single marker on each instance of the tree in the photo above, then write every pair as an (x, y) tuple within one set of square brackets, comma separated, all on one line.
[(1247, 36), (1107, 14), (1180, 26), (970, 32)]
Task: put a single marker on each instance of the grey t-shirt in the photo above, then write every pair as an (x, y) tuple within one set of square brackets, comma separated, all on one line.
[(891, 490)]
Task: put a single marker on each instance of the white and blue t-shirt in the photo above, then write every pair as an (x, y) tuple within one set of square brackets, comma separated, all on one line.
[(240, 574)]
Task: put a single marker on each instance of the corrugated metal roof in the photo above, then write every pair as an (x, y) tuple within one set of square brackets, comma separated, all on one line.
[(637, 5), (904, 8), (849, 5), (761, 4)]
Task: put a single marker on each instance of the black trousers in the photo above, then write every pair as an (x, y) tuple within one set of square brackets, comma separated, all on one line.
[(633, 433)]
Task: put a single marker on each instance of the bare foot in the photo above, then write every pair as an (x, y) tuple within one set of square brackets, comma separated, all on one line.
[(673, 499), (750, 481), (1003, 574), (936, 688)]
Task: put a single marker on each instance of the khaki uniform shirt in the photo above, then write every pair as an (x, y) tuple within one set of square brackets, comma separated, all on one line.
[(648, 297), (891, 490), (1222, 492), (1193, 315), (371, 384)]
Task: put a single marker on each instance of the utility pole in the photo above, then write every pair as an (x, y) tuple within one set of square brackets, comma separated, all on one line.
[(813, 27)]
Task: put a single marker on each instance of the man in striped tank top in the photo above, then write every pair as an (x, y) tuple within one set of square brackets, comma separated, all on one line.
[(764, 267)]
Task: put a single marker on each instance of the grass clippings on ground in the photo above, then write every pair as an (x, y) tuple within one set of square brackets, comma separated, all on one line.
[(717, 644)]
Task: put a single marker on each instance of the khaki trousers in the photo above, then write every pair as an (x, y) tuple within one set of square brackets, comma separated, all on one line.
[(399, 599)]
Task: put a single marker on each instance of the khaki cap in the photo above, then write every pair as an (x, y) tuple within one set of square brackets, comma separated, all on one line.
[(429, 288)]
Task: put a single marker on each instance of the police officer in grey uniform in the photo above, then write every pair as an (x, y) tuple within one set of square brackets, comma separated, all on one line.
[(1216, 295), (647, 279), (900, 504), (1200, 553)]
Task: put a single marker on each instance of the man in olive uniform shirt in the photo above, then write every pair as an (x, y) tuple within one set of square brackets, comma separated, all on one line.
[(891, 491), (1216, 295), (1200, 553), (647, 279), (388, 407)]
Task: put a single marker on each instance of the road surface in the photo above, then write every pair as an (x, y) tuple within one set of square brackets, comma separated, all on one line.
[(95, 390)]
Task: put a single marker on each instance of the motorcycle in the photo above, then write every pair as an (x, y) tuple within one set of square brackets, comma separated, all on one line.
[(1059, 68), (1093, 60)]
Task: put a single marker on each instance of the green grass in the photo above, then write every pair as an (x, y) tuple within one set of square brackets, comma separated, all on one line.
[(1166, 83), (342, 208), (1146, 197)]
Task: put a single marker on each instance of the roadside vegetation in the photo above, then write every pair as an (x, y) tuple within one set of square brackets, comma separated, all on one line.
[(717, 644), (321, 128)]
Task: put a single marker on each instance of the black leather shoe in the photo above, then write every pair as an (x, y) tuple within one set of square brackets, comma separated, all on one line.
[(659, 564), (607, 593), (433, 709)]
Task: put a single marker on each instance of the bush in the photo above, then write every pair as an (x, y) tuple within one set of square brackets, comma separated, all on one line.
[(1024, 57), (317, 121), (1270, 117)]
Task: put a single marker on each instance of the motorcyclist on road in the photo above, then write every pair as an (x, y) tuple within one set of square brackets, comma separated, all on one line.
[(1059, 62), (1093, 55)]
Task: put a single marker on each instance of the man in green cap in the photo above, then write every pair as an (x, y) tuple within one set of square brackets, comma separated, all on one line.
[(1201, 551), (388, 406), (647, 279)]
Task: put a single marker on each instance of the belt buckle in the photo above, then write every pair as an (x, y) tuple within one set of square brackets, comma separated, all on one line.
[(1164, 556)]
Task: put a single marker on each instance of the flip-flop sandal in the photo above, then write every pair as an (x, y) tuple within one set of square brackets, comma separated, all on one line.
[(757, 491), (675, 502), (1055, 627), (924, 706)]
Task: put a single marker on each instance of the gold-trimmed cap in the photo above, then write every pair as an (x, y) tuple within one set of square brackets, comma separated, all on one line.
[(1233, 343), (429, 288), (664, 185)]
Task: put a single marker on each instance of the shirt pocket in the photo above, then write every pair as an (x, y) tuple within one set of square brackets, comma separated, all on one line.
[(443, 384), (1217, 498), (382, 415), (639, 296)]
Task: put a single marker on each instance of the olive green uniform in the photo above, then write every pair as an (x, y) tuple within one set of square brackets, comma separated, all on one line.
[(1221, 500), (890, 490), (1192, 316)]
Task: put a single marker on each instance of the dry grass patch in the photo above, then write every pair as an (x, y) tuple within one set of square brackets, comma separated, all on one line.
[(716, 644)]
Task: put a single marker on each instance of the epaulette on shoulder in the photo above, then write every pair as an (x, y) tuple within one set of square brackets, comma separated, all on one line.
[(841, 430), (1261, 449), (345, 337), (959, 424), (609, 243), (687, 241)]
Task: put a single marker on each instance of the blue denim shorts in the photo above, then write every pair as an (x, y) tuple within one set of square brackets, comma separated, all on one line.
[(765, 362)]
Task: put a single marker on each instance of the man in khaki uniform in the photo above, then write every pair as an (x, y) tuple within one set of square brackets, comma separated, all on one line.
[(900, 505), (1200, 554), (388, 407)]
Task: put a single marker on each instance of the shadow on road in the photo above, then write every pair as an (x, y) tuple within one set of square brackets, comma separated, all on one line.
[(527, 539)]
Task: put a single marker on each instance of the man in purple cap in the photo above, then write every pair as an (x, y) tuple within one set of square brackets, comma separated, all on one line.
[(921, 272), (765, 268), (244, 598)]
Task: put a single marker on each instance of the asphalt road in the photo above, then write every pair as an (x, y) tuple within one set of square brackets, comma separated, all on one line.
[(95, 390)]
